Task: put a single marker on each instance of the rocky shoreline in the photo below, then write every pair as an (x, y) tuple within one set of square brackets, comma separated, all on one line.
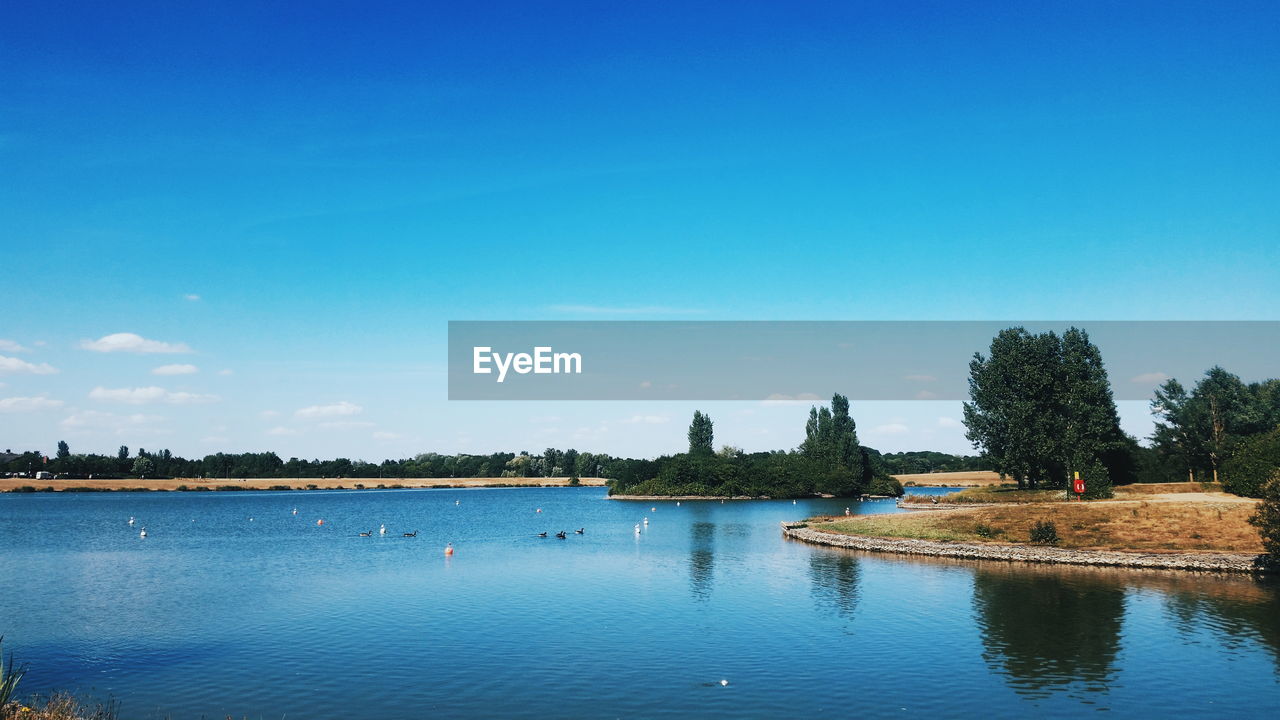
[(1201, 562)]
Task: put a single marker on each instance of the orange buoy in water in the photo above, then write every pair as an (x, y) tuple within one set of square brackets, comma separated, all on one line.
[(320, 522), (448, 549)]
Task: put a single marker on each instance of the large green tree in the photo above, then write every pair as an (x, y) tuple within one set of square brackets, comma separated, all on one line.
[(701, 434), (1041, 408)]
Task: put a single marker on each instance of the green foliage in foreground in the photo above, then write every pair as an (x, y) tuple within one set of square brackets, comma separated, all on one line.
[(9, 676)]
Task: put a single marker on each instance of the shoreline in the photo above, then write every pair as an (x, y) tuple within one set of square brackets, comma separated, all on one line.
[(1190, 561), (656, 498), (16, 485)]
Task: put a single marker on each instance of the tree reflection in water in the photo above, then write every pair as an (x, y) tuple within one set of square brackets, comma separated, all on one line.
[(834, 577), (1044, 630), (1237, 612), (702, 559)]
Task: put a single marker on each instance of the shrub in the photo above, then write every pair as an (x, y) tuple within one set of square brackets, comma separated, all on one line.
[(312, 486), (359, 486), (182, 488), (24, 489), (280, 487), (1267, 517), (986, 531), (885, 485), (1252, 464), (1044, 532)]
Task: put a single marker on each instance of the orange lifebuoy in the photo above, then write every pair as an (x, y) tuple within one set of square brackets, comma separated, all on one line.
[(448, 549), (320, 522)]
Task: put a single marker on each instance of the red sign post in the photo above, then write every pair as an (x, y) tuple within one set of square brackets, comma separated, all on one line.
[(1078, 486)]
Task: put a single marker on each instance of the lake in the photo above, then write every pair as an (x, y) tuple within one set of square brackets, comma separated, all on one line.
[(234, 605)]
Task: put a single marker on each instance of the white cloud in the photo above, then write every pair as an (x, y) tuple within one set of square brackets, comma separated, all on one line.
[(646, 385), (283, 431), (226, 372), (925, 395), (192, 297), (27, 404), (920, 378), (647, 419), (346, 424), (1151, 378), (949, 422), (12, 346), (176, 370), (268, 414), (15, 365), (120, 424), (893, 428), (384, 435), (338, 409), (797, 399), (132, 343), (148, 395)]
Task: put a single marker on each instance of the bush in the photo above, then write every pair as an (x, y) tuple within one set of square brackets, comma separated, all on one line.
[(1267, 517), (1254, 461), (182, 488), (280, 487), (885, 485), (1044, 532), (986, 531)]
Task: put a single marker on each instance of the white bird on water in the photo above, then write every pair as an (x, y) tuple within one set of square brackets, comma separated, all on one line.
[(637, 528), (382, 530), (143, 533), (130, 519), (646, 521), (295, 511)]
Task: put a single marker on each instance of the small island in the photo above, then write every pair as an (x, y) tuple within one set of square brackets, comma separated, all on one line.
[(830, 462)]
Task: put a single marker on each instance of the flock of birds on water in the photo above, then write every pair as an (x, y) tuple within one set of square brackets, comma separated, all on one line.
[(382, 530)]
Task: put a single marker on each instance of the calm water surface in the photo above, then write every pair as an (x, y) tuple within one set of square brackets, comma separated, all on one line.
[(216, 613)]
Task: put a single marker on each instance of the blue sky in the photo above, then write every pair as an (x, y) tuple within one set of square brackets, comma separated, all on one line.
[(336, 182)]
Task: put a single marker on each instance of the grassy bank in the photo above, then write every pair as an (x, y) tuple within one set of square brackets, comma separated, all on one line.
[(1127, 525), (1009, 493)]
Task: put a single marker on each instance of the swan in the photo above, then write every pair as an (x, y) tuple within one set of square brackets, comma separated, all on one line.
[(382, 530), (131, 520), (366, 534), (143, 533), (579, 531)]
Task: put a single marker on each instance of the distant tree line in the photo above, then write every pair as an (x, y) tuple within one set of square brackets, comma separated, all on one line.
[(928, 461), (830, 461), (164, 464)]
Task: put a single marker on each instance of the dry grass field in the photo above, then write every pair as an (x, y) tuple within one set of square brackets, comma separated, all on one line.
[(10, 484), (975, 478), (1196, 521)]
